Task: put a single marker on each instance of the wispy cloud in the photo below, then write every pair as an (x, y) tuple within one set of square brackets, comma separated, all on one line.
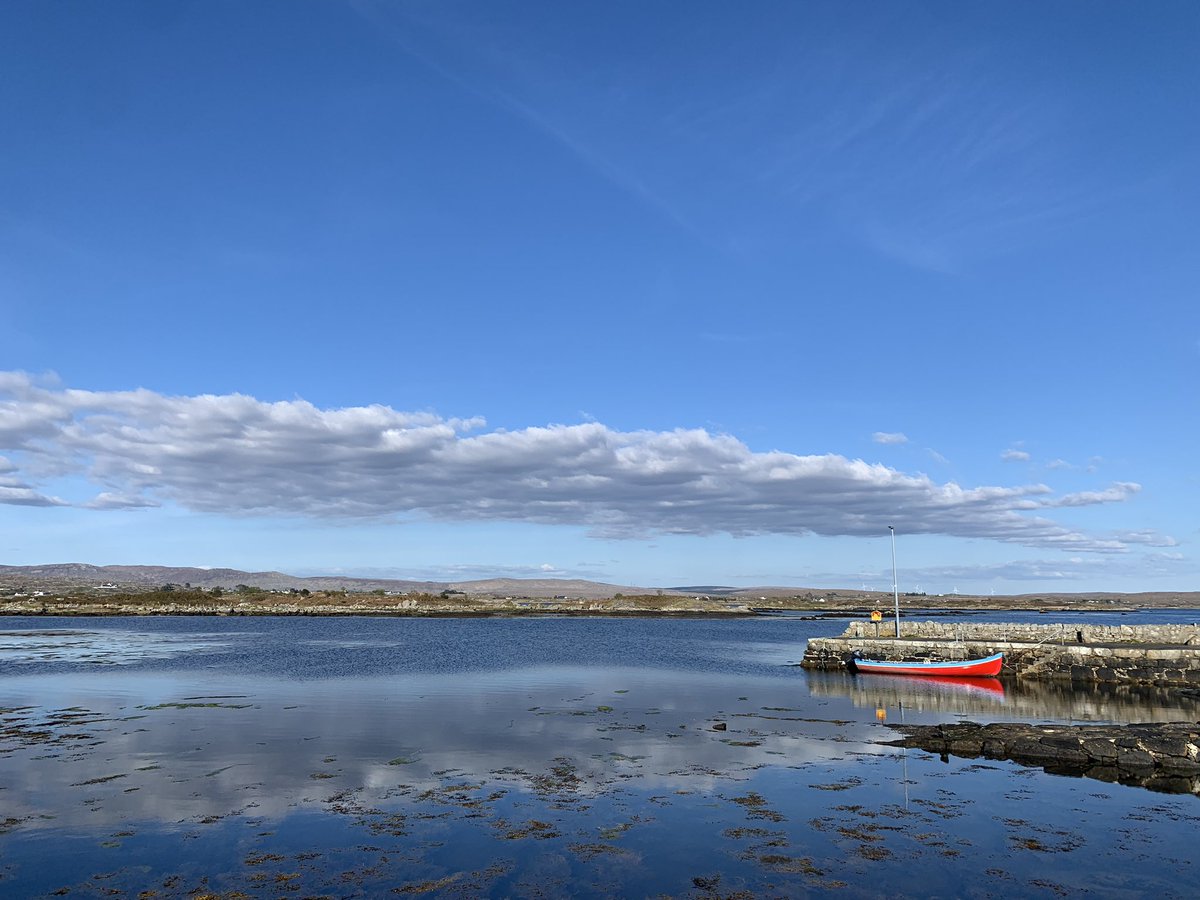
[(889, 437), (457, 572), (237, 455), (1149, 538), (109, 500), (1121, 490), (16, 492), (502, 88), (1067, 571), (928, 151), (1015, 456)]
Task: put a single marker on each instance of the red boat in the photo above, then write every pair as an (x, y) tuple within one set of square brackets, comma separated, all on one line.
[(967, 668)]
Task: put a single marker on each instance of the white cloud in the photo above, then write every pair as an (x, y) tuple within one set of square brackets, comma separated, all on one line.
[(1121, 490), (1150, 538), (236, 455), (16, 492), (19, 495), (109, 500), (889, 437), (1014, 456)]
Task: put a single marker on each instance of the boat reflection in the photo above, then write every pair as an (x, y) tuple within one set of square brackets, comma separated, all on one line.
[(914, 693), (993, 687), (934, 697)]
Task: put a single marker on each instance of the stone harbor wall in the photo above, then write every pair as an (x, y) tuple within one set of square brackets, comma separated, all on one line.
[(1159, 655), (1060, 633)]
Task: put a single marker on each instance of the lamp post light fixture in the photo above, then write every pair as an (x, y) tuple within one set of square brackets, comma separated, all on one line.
[(895, 587)]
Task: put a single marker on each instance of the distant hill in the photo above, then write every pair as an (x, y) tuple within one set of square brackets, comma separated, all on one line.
[(81, 576), (574, 589), (63, 576), (141, 577)]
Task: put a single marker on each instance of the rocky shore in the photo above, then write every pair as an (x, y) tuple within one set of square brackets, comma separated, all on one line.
[(1159, 756), (184, 603), (85, 584)]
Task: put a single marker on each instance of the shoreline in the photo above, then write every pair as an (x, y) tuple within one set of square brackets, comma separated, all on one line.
[(78, 608), (382, 614), (47, 598)]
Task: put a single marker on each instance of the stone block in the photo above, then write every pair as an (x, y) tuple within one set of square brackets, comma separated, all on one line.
[(1082, 673), (1061, 741), (1033, 750), (1164, 746), (1074, 759), (1134, 760), (966, 747), (1177, 766), (1100, 749), (993, 749)]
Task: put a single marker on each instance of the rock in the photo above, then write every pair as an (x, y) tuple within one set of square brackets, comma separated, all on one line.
[(1159, 756), (1135, 760), (719, 726), (1099, 749)]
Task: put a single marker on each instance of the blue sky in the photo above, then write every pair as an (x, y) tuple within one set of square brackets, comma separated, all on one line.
[(645, 293)]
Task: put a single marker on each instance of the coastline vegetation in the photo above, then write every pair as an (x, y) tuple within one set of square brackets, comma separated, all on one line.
[(22, 598)]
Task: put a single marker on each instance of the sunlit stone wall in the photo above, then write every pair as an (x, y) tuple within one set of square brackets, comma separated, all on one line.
[(1159, 655), (1070, 633)]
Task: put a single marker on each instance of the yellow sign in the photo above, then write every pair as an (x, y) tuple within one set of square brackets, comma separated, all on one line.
[(876, 615)]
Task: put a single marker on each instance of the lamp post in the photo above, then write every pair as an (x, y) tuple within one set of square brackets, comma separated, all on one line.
[(895, 587)]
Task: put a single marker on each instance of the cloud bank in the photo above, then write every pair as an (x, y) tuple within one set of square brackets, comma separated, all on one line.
[(236, 455)]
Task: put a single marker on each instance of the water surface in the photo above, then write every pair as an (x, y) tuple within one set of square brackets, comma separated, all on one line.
[(536, 757)]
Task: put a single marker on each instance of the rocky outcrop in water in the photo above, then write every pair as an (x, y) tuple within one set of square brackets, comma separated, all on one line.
[(1160, 756)]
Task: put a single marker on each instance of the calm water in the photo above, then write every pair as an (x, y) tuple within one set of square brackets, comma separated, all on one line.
[(537, 758)]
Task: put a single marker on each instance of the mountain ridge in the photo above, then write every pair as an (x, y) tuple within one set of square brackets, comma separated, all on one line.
[(83, 575), (139, 578)]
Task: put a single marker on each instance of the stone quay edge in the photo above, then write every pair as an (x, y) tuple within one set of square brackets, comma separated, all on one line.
[(1158, 655)]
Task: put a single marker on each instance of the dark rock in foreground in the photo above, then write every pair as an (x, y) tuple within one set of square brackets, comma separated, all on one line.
[(1160, 756)]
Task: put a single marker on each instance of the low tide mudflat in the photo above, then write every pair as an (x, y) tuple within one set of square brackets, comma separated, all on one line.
[(536, 757)]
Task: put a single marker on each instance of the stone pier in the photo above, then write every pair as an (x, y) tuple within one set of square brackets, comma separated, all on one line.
[(1159, 655)]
